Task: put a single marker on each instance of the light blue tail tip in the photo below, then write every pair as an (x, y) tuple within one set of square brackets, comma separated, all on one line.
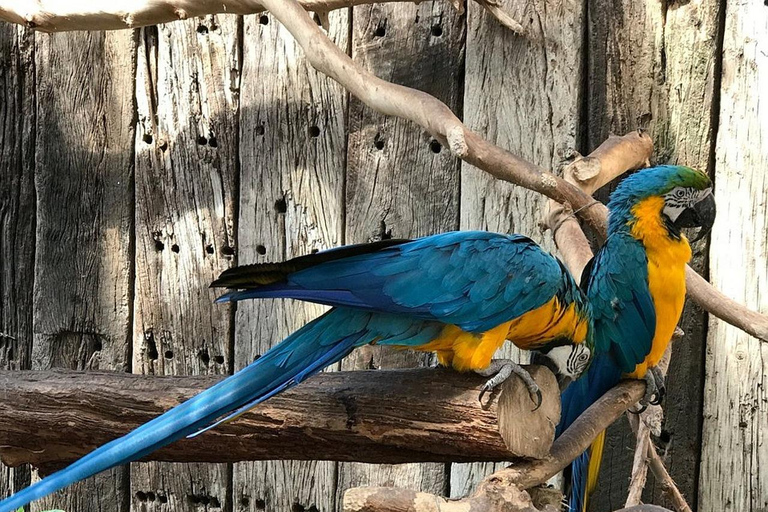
[(222, 299)]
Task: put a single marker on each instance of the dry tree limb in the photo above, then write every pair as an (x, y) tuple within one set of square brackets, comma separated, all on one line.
[(639, 464), (58, 16), (611, 159), (333, 416), (499, 492)]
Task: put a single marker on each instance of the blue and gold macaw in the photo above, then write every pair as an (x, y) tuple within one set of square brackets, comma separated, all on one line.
[(635, 286), (459, 294)]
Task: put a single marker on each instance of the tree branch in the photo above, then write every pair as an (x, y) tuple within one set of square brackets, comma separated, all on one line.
[(500, 491), (51, 418), (58, 16)]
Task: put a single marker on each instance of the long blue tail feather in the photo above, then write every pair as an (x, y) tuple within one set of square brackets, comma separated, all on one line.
[(318, 344)]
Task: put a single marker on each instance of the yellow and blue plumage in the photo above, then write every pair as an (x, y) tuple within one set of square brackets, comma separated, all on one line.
[(459, 294), (635, 286)]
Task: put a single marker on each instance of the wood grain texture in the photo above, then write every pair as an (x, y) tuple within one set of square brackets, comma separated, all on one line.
[(17, 211), (401, 182), (84, 182), (60, 416), (292, 154), (186, 168), (522, 93), (735, 401), (654, 66)]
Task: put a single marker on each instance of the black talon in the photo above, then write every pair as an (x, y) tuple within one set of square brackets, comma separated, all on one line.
[(537, 400), (640, 410)]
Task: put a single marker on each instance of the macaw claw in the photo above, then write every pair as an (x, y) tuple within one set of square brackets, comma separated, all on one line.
[(502, 369), (655, 390)]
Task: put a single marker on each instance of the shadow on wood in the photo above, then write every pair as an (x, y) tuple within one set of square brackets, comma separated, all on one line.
[(51, 418)]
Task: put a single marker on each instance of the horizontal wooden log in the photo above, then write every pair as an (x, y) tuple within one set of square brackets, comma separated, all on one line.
[(50, 418)]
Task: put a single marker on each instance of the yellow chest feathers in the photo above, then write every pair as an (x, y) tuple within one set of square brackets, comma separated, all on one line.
[(667, 258)]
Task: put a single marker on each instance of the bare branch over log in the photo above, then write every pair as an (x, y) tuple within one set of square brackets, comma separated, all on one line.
[(499, 491), (57, 16), (384, 416)]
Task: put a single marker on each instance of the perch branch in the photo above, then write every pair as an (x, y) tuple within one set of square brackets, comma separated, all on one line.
[(500, 491), (58, 16), (51, 418)]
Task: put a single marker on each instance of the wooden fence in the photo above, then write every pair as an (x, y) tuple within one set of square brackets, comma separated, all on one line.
[(137, 165)]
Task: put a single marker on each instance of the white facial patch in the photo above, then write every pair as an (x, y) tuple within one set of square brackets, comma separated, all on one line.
[(680, 198), (570, 360)]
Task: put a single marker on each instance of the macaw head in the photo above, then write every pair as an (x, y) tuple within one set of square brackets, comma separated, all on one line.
[(566, 361), (682, 196)]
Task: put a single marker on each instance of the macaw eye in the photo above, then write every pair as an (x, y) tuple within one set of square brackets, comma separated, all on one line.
[(583, 357), (680, 193)]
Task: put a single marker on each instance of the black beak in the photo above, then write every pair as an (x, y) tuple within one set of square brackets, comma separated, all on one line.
[(701, 215)]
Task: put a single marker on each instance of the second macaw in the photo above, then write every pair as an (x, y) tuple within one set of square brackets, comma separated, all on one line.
[(459, 294), (635, 286)]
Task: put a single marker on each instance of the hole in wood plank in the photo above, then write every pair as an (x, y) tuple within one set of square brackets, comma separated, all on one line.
[(162, 498), (281, 206), (297, 507), (202, 29), (149, 338), (169, 354), (215, 502), (259, 130), (150, 496), (314, 251), (218, 359), (209, 249), (213, 142), (437, 30), (163, 146), (256, 358), (202, 140), (159, 245), (314, 131), (378, 142), (435, 146), (264, 19), (313, 508), (244, 501), (141, 496), (204, 356), (97, 345), (261, 249), (380, 31), (147, 138), (175, 248), (260, 504), (227, 250)]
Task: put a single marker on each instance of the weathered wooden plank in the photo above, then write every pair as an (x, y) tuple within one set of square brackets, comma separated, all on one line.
[(84, 182), (17, 211), (400, 182), (522, 93), (735, 401), (292, 153), (186, 169), (653, 66)]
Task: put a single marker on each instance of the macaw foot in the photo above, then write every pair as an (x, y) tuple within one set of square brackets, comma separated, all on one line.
[(654, 387), (502, 369)]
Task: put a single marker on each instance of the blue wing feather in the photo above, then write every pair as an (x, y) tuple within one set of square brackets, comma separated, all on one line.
[(473, 279)]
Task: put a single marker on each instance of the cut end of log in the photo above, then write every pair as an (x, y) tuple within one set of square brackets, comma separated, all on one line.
[(525, 431)]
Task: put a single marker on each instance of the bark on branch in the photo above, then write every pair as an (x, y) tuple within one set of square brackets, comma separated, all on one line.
[(51, 418)]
